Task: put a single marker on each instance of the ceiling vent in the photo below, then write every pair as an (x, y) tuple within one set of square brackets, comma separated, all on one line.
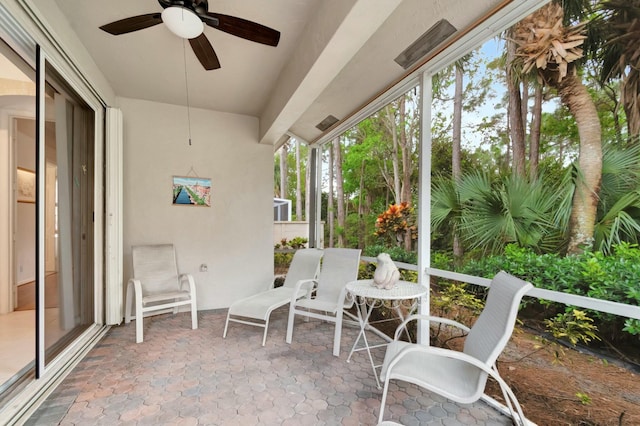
[(426, 43), (327, 122)]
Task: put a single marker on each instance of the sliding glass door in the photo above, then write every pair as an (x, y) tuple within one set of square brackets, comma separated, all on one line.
[(68, 171), (47, 217)]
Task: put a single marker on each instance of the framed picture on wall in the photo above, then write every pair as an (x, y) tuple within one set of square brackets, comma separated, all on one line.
[(26, 185), (191, 191)]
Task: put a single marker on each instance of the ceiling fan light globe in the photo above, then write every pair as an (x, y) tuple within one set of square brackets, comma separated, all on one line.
[(182, 22)]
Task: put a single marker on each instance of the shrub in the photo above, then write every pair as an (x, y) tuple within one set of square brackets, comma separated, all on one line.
[(614, 277), (397, 223)]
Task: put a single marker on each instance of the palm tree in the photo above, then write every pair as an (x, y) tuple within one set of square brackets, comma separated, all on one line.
[(552, 50), (620, 26), (491, 213), (619, 209)]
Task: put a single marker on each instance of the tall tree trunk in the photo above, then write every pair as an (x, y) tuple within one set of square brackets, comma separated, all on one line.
[(284, 153), (631, 103), (405, 142), (361, 228), (456, 163), (524, 105), (516, 126), (298, 184), (534, 135), (392, 127), (585, 199), (330, 212), (337, 154)]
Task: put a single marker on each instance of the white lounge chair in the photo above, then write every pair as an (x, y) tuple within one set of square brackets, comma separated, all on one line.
[(256, 310), (156, 285), (461, 376), (339, 266)]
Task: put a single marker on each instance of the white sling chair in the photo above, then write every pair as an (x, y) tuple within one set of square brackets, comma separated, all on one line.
[(156, 285), (255, 310), (339, 266), (461, 376)]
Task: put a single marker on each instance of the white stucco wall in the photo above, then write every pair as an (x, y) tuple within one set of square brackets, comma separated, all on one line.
[(234, 236)]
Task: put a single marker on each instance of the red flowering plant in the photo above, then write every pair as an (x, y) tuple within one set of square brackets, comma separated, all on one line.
[(397, 225)]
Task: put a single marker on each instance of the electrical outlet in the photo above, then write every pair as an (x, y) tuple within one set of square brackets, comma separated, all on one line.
[(204, 267)]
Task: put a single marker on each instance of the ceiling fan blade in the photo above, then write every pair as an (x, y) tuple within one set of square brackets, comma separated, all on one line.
[(248, 30), (204, 52), (134, 23)]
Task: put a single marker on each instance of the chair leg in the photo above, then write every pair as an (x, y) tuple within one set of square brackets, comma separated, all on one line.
[(194, 314), (139, 319), (383, 400), (128, 303), (338, 333), (292, 314), (264, 335), (226, 326)]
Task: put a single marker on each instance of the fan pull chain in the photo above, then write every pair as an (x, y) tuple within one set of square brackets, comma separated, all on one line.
[(186, 84)]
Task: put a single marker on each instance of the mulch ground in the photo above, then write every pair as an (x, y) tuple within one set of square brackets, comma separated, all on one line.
[(581, 389)]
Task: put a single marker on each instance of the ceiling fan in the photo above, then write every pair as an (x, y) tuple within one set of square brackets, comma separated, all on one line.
[(186, 19)]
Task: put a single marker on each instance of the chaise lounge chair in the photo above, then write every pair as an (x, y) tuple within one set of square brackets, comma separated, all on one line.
[(255, 310), (339, 266)]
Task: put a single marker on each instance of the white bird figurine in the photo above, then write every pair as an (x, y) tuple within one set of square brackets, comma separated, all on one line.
[(386, 275)]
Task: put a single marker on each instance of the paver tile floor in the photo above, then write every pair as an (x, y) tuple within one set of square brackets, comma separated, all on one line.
[(179, 376)]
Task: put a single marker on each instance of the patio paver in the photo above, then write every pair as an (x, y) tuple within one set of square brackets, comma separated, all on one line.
[(179, 376)]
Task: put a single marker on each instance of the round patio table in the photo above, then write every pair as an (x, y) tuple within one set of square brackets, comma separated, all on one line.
[(367, 297)]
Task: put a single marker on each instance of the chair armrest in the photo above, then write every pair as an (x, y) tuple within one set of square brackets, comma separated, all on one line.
[(447, 353), (133, 293), (192, 284), (307, 284), (433, 350), (441, 320), (137, 287), (343, 300)]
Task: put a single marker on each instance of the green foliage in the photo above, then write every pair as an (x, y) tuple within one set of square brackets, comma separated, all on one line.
[(559, 137), (358, 230), (632, 326), (397, 223), (584, 398), (283, 260), (574, 326), (454, 296), (397, 254), (455, 302), (295, 243), (441, 260), (489, 213), (615, 277), (619, 207)]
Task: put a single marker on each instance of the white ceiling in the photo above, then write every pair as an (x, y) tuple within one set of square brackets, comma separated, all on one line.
[(333, 55)]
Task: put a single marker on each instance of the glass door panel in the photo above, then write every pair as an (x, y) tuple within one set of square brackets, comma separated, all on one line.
[(17, 220), (68, 214)]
